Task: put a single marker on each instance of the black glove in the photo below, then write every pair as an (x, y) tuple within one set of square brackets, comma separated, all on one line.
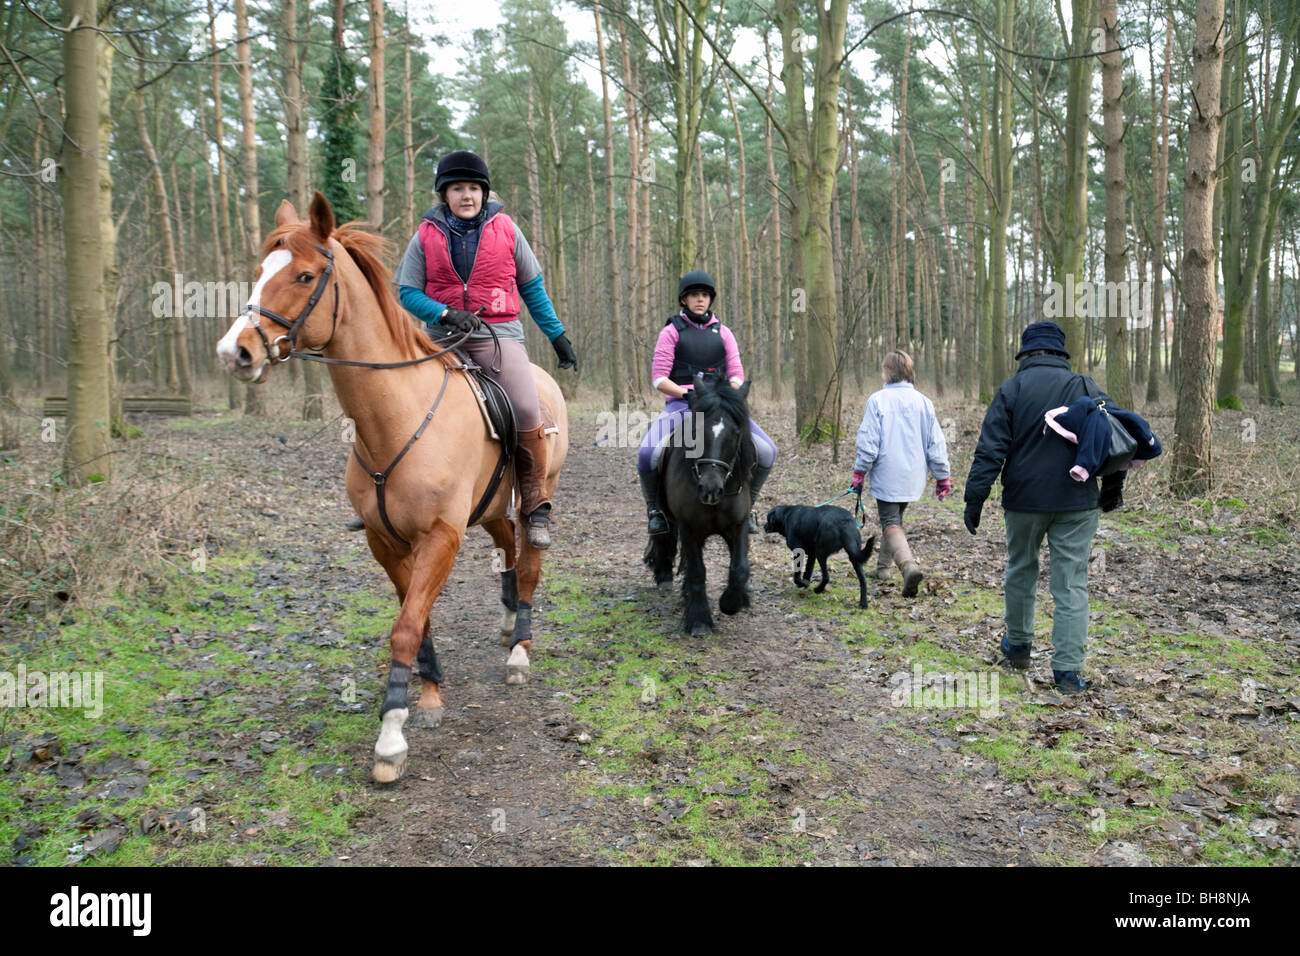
[(972, 515), (459, 319), (1112, 492), (564, 351)]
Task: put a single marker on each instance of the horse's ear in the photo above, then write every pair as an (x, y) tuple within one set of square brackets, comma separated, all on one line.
[(286, 215), (322, 216), (702, 383), (744, 390), (690, 399)]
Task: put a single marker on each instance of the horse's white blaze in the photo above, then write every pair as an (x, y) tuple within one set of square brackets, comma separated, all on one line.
[(391, 745), (717, 429), (227, 350)]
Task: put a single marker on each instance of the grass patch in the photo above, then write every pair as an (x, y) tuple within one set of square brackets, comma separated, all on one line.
[(209, 702), (707, 780)]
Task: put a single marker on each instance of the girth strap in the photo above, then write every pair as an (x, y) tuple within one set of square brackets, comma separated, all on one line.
[(380, 478)]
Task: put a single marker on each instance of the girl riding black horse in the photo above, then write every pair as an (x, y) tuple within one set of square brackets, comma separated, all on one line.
[(707, 482)]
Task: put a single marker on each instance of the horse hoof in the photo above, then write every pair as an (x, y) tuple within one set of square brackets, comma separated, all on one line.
[(507, 627), (427, 717), (700, 630), (731, 603), (388, 770), (518, 666)]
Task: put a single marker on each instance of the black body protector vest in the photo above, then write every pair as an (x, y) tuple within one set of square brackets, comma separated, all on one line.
[(698, 350)]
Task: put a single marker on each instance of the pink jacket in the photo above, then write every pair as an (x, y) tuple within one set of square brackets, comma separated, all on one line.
[(666, 347)]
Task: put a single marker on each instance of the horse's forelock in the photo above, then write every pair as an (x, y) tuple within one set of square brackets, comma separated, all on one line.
[(726, 399)]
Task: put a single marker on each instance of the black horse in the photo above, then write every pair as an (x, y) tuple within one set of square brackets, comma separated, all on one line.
[(705, 473)]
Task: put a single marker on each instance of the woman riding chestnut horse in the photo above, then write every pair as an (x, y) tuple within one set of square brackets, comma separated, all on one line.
[(424, 466)]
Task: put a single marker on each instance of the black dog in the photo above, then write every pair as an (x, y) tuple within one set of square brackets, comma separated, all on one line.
[(817, 533)]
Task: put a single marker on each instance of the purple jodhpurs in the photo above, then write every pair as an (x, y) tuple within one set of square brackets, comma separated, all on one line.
[(661, 430)]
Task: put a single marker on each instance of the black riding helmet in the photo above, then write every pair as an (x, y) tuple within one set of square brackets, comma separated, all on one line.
[(461, 166), (698, 279)]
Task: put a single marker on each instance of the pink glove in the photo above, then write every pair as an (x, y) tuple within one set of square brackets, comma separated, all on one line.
[(942, 488), (858, 477)]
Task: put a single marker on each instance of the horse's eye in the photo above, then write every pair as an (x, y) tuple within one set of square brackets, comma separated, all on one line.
[(304, 276)]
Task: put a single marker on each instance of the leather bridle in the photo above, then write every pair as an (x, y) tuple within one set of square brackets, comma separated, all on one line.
[(273, 353)]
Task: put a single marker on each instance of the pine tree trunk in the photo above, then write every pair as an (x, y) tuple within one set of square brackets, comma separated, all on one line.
[(87, 452), (375, 189), (1069, 265), (108, 226), (744, 299), (812, 144), (178, 377), (1003, 168), (1192, 459), (777, 304), (631, 318), (1119, 381), (1160, 165)]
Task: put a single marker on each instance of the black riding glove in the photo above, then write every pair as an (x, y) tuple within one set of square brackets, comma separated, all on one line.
[(972, 515), (564, 351), (1112, 492), (459, 319)]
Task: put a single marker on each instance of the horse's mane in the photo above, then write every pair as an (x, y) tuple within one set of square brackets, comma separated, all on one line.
[(367, 250)]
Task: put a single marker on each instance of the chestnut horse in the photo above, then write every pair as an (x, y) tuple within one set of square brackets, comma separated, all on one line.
[(386, 372)]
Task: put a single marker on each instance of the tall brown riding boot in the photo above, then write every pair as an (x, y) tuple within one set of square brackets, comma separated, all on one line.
[(897, 543), (884, 558), (530, 473)]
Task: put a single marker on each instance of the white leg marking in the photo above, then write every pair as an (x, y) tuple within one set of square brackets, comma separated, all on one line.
[(517, 667), (391, 745), (507, 624)]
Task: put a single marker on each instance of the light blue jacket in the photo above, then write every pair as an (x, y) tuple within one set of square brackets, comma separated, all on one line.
[(899, 440)]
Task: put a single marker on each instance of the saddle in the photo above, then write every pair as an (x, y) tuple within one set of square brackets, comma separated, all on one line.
[(499, 417)]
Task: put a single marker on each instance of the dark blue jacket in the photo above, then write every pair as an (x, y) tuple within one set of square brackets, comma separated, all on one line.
[(1034, 467), (1091, 431)]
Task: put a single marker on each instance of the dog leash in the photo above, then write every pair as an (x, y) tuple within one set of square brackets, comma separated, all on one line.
[(858, 509)]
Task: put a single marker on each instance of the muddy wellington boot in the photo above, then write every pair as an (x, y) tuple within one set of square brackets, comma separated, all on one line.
[(530, 473), (658, 522), (884, 559), (897, 544), (755, 486)]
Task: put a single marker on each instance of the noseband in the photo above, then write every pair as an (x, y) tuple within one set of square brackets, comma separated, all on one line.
[(273, 352)]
